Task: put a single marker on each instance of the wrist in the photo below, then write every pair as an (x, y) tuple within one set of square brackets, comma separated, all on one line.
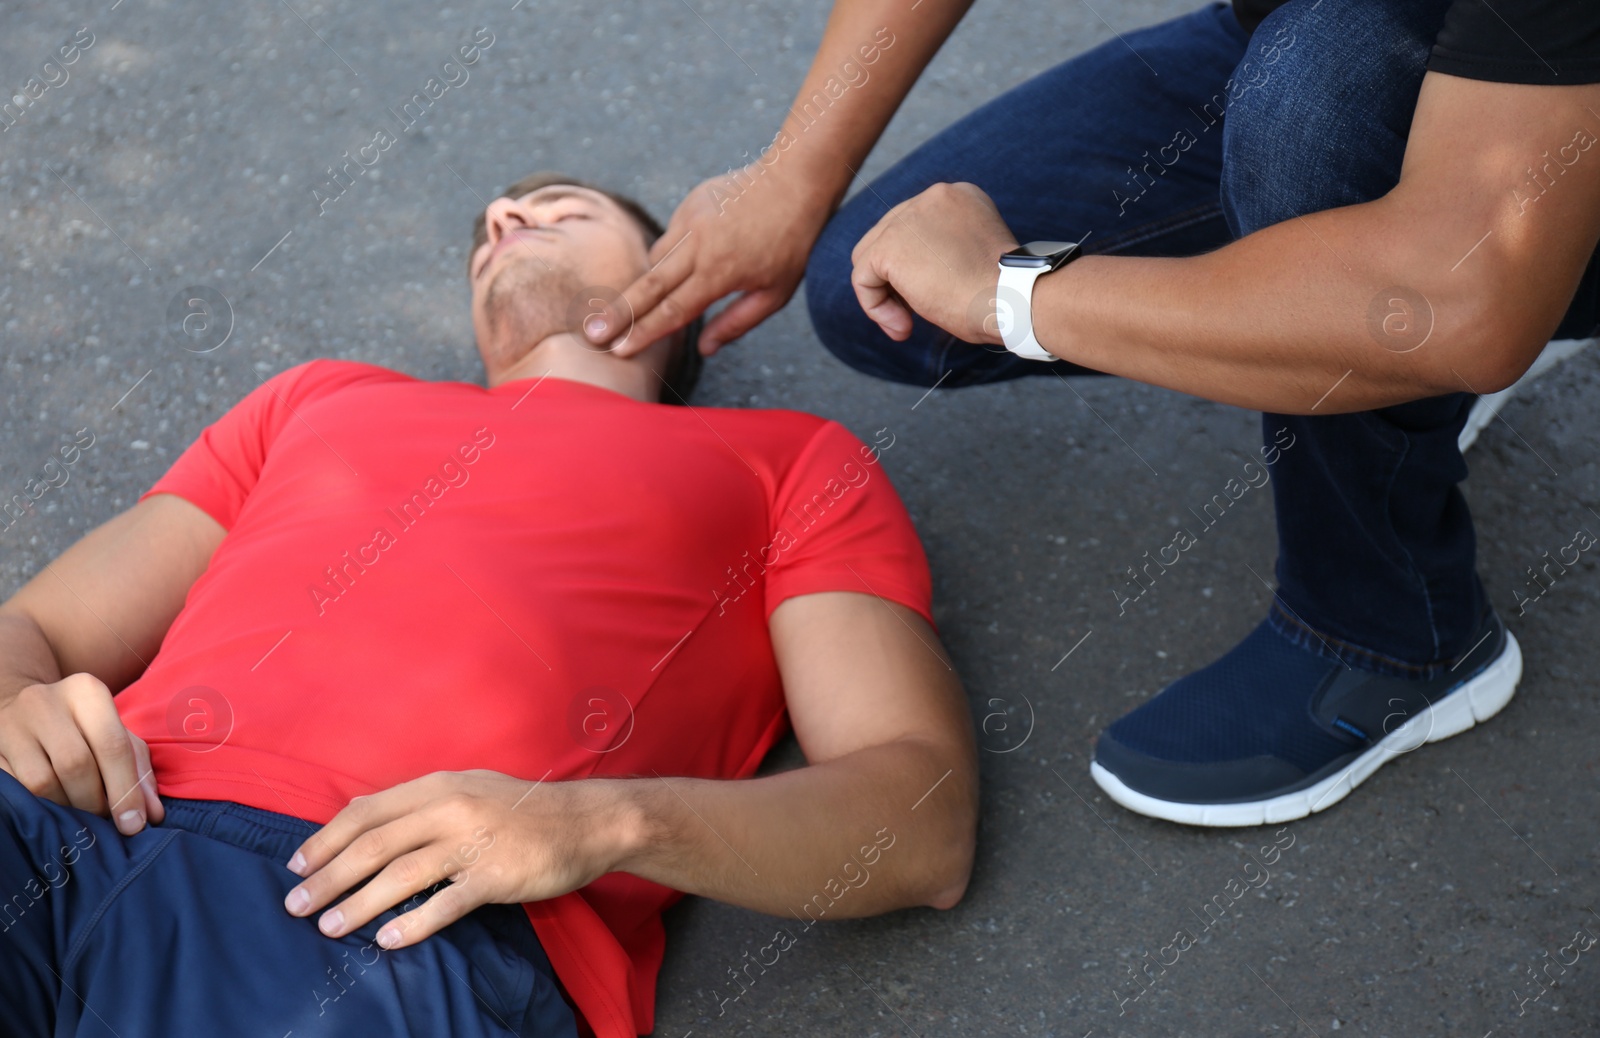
[(1028, 276), (988, 297), (629, 822), (814, 178), (805, 203), (30, 659), (1059, 313)]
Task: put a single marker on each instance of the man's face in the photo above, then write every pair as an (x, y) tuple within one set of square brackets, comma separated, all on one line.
[(544, 251)]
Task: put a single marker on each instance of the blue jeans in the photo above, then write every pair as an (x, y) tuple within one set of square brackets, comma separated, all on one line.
[(180, 930), (1375, 544)]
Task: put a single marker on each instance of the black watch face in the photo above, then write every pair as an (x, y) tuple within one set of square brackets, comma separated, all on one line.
[(1039, 254)]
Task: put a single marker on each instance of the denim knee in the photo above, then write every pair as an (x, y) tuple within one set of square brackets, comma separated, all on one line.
[(1318, 112), (829, 297), (836, 314)]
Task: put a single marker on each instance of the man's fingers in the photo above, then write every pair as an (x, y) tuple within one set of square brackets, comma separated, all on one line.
[(864, 246), (614, 325), (75, 740), (77, 773), (608, 326), (358, 817), (394, 886), (30, 765), (388, 848), (878, 299), (871, 288), (869, 241), (668, 243), (436, 913), (741, 315), (670, 314), (115, 765), (433, 915), (894, 318), (118, 766), (153, 808), (71, 747)]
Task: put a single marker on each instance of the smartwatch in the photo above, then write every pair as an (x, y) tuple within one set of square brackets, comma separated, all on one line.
[(1019, 269)]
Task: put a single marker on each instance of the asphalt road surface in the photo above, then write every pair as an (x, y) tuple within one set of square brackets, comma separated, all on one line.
[(184, 149)]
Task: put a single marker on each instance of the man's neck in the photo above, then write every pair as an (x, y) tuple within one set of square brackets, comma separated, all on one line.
[(566, 356)]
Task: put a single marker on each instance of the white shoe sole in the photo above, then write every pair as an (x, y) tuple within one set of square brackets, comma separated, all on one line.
[(1478, 700)]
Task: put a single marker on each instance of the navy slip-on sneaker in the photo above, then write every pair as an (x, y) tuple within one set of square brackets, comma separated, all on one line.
[(1271, 732)]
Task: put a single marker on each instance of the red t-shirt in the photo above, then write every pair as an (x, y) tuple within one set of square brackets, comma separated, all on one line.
[(546, 579)]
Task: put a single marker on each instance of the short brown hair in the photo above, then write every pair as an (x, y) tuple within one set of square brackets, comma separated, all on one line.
[(684, 360)]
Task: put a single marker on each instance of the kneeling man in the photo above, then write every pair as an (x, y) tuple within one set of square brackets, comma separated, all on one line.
[(435, 695)]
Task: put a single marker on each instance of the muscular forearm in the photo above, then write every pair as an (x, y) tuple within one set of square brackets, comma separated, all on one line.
[(1341, 310), (1451, 282), (849, 837), (871, 54), (25, 655), (1265, 323)]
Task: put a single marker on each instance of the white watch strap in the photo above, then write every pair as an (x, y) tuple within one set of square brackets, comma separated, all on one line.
[(1013, 300)]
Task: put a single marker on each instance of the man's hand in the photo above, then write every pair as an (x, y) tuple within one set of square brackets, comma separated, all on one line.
[(934, 254), (751, 230), (501, 840), (745, 231), (66, 742)]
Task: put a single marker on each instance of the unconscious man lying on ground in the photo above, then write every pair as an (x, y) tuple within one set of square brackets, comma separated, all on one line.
[(434, 696)]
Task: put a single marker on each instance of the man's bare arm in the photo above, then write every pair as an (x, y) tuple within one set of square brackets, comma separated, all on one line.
[(884, 726), (1274, 320), (883, 817), (83, 628), (104, 605), (1451, 282), (750, 231)]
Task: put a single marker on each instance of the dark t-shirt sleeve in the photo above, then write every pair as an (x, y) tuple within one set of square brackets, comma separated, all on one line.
[(838, 525), (1548, 42), (1250, 12), (1542, 42)]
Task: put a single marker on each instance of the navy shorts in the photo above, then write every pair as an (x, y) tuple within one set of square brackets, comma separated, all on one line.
[(181, 930)]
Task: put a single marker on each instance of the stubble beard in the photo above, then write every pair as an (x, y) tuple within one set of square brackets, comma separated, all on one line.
[(527, 302)]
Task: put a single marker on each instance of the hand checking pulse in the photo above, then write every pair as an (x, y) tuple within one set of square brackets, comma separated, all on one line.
[(499, 839), (935, 255), (733, 233)]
